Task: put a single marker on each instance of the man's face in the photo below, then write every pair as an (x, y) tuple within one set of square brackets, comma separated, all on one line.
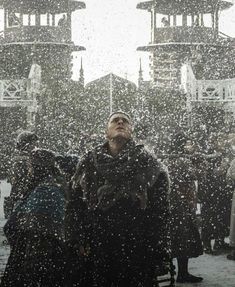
[(189, 147), (119, 127)]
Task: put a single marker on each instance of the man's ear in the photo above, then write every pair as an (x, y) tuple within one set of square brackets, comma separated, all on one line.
[(106, 134), (132, 128), (132, 131)]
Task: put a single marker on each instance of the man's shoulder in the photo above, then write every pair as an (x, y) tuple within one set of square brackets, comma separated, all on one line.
[(20, 160), (88, 157), (152, 160)]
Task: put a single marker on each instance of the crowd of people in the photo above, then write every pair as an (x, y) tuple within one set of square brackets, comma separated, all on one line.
[(118, 215)]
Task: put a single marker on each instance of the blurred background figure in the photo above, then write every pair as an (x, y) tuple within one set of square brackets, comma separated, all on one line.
[(165, 22), (185, 237), (231, 178), (35, 228), (215, 195), (26, 141)]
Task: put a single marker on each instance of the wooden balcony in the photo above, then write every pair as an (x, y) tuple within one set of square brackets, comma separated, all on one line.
[(21, 92), (183, 35), (38, 34), (222, 91)]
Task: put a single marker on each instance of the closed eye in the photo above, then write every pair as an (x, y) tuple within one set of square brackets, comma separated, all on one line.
[(115, 120)]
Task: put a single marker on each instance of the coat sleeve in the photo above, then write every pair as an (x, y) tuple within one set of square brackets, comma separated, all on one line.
[(157, 220), (231, 171), (75, 210)]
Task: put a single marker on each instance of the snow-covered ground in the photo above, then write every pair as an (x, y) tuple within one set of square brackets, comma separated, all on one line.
[(217, 271), (5, 189)]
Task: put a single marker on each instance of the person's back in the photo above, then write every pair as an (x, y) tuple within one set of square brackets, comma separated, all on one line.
[(37, 257)]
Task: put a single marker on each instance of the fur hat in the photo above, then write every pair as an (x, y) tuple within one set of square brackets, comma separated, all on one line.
[(25, 138)]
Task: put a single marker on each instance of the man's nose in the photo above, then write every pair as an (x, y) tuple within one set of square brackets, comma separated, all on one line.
[(120, 121)]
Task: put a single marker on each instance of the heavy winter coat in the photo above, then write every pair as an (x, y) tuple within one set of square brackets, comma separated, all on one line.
[(231, 177), (19, 177), (215, 195), (119, 206), (42, 212), (185, 236), (35, 231)]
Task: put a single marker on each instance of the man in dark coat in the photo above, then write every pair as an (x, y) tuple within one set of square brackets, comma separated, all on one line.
[(185, 237), (215, 194), (118, 212)]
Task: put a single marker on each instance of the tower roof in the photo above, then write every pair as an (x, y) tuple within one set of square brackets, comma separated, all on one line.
[(42, 6), (185, 6), (105, 81), (29, 45)]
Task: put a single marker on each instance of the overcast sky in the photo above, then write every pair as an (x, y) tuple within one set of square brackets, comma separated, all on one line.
[(111, 30)]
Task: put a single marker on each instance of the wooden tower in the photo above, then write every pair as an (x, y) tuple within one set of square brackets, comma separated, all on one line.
[(185, 31)]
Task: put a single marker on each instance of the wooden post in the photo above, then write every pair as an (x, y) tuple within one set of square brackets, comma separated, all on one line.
[(216, 22), (192, 19), (48, 19), (212, 21), (184, 20), (202, 20), (174, 20), (37, 20), (5, 19), (69, 21), (154, 23), (21, 19), (53, 19)]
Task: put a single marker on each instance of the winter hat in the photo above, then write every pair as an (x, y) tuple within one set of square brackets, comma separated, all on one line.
[(25, 138)]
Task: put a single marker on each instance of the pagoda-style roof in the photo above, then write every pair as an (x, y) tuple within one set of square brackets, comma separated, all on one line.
[(185, 6), (153, 47), (105, 81), (42, 6), (30, 45)]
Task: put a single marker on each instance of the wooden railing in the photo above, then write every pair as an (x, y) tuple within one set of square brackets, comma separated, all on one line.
[(34, 33), (15, 92), (183, 34), (187, 34), (206, 90)]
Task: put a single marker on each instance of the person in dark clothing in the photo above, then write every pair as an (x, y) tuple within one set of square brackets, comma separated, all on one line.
[(67, 164), (19, 179), (231, 180), (13, 20), (37, 248), (215, 195), (185, 237), (117, 216)]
